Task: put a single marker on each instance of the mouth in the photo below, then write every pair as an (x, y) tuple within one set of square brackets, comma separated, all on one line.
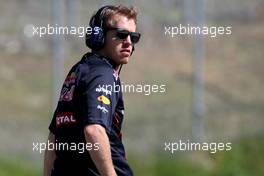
[(125, 51)]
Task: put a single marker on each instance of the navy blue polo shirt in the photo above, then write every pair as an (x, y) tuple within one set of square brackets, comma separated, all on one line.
[(91, 94)]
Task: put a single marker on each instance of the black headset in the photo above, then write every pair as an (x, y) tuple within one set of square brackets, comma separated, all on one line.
[(96, 39)]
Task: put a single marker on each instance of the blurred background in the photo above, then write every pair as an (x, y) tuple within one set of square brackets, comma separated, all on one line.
[(214, 86)]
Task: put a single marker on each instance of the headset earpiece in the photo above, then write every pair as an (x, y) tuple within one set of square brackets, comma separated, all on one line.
[(96, 39)]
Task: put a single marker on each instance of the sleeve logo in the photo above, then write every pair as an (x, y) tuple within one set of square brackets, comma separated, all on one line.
[(68, 88), (104, 99), (103, 109), (65, 118)]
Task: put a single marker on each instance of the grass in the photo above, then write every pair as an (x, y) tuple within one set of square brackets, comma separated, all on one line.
[(14, 167)]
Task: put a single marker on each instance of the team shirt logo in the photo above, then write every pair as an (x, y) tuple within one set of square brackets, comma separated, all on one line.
[(65, 118), (104, 99), (104, 90), (68, 88), (70, 79), (103, 109), (67, 93)]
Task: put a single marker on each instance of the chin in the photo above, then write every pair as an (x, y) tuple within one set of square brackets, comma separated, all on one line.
[(123, 60)]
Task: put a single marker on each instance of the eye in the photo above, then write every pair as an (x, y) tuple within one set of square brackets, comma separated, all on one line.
[(122, 34), (135, 37)]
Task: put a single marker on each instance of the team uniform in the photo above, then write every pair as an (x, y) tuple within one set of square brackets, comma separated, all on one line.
[(88, 96)]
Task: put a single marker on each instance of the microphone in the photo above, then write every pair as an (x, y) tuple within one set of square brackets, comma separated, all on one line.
[(133, 49)]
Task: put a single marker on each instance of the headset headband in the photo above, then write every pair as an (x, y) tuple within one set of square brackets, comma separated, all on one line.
[(98, 19)]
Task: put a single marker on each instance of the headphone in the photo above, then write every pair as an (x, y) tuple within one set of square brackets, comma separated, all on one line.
[(96, 39)]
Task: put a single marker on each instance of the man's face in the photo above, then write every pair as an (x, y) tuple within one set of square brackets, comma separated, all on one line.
[(117, 49)]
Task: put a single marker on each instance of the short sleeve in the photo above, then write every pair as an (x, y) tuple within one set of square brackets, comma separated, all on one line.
[(99, 99)]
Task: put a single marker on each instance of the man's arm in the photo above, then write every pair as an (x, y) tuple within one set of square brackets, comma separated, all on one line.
[(49, 156), (102, 158)]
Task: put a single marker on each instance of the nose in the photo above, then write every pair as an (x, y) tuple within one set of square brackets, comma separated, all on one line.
[(128, 40)]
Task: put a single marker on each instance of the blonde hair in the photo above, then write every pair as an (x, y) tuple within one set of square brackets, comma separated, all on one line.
[(111, 11)]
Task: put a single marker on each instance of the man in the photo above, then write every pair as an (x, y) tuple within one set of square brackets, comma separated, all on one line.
[(90, 110)]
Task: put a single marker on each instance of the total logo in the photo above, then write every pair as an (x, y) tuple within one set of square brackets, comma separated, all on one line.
[(65, 118), (104, 99), (103, 109)]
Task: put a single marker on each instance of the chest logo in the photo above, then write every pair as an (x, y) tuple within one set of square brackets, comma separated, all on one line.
[(104, 99)]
